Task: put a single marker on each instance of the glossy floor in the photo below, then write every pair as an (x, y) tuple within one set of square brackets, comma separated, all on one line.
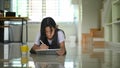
[(107, 57)]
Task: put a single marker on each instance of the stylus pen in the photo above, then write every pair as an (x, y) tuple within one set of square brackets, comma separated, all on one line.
[(41, 41)]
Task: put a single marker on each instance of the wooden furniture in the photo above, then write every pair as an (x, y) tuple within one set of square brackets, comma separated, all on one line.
[(86, 42), (97, 36), (94, 39), (11, 20)]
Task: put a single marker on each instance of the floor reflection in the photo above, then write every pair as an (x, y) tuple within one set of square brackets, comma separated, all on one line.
[(48, 61), (107, 57), (11, 57)]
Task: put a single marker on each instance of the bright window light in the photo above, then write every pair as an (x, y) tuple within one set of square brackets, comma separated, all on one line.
[(35, 10)]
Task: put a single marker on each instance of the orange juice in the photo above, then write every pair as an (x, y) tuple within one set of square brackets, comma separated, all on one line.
[(24, 48)]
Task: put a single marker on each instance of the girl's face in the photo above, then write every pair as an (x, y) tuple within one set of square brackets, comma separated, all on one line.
[(49, 32)]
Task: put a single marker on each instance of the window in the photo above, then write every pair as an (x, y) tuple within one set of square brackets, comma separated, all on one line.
[(20, 7), (60, 10), (35, 10)]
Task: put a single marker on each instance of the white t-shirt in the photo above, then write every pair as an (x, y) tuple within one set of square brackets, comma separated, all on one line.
[(61, 38)]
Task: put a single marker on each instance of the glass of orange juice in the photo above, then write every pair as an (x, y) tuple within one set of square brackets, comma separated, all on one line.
[(24, 48)]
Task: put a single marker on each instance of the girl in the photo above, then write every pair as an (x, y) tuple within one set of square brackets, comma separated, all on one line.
[(51, 37)]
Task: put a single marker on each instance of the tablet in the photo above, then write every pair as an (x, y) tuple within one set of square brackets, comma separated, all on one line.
[(46, 51)]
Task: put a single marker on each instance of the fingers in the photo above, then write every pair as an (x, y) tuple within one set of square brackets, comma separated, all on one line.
[(43, 46)]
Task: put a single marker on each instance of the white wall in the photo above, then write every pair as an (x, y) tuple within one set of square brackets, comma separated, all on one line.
[(33, 29), (90, 14), (70, 31)]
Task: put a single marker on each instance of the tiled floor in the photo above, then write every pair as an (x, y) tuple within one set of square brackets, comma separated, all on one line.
[(107, 57)]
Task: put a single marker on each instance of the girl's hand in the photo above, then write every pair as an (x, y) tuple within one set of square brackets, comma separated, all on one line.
[(43, 46)]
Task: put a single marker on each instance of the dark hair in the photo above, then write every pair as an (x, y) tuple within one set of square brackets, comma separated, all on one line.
[(1, 11), (49, 21)]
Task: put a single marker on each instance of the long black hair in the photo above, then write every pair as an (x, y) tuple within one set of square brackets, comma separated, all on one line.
[(49, 22)]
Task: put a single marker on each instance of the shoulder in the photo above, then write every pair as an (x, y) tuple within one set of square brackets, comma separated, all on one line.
[(60, 31), (61, 36)]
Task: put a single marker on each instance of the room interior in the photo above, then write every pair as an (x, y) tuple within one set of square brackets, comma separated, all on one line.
[(92, 35)]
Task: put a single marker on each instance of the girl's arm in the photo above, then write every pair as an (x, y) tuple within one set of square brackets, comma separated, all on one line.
[(42, 46), (35, 46), (62, 50)]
